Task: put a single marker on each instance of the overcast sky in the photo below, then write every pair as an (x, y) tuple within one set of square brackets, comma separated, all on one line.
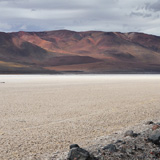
[(80, 15)]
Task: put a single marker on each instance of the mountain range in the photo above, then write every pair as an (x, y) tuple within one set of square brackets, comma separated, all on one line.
[(64, 51)]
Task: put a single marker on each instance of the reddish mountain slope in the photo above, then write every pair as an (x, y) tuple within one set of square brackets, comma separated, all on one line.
[(88, 52)]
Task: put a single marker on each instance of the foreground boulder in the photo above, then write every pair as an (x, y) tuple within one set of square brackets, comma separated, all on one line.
[(77, 153), (111, 148), (155, 137)]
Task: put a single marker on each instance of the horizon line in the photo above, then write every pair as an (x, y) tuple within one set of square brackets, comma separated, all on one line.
[(78, 31)]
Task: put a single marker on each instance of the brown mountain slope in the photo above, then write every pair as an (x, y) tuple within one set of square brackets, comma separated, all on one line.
[(88, 52)]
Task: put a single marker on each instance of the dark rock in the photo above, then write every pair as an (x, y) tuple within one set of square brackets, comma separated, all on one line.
[(135, 148), (110, 147), (149, 122), (2, 82), (118, 141), (139, 148), (74, 146), (129, 133), (156, 126), (155, 137), (77, 153), (136, 134)]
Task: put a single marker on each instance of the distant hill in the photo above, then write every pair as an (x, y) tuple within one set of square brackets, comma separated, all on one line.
[(66, 51)]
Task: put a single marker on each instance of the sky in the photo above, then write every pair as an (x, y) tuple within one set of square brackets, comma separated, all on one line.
[(80, 15)]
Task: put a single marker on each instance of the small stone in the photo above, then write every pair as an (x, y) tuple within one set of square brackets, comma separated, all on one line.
[(129, 133), (156, 126), (118, 141), (129, 151), (135, 147), (154, 137), (123, 149), (136, 134), (149, 122), (74, 146), (110, 147)]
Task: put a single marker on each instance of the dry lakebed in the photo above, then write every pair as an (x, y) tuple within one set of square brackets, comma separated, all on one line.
[(41, 115)]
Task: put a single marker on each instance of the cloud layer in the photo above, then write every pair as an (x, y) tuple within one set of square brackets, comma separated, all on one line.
[(83, 15)]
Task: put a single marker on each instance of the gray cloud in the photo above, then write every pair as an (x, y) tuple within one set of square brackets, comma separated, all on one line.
[(136, 14), (153, 6), (139, 14), (105, 15)]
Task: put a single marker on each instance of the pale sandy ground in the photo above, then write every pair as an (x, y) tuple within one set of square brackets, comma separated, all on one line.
[(41, 115)]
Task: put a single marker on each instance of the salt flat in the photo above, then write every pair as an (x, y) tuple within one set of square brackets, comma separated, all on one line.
[(43, 114)]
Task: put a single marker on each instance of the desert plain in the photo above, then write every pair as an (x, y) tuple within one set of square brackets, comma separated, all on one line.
[(41, 115)]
